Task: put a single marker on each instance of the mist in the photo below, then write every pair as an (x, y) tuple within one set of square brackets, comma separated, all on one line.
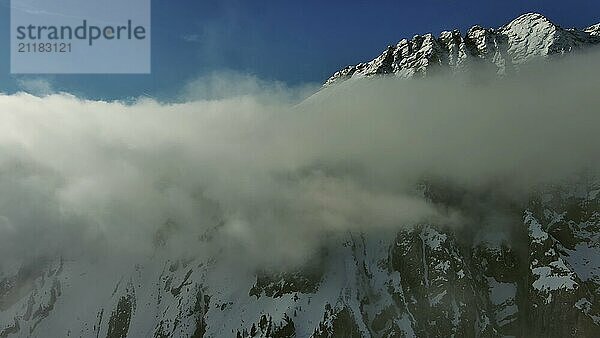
[(268, 176)]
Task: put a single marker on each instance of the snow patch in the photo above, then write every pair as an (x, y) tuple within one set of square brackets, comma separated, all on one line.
[(553, 277), (537, 234)]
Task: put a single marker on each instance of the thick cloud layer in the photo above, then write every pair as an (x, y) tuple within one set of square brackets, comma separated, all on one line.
[(274, 177)]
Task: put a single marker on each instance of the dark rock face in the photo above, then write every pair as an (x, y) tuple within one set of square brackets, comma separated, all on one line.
[(120, 318), (440, 291), (336, 324), (275, 284)]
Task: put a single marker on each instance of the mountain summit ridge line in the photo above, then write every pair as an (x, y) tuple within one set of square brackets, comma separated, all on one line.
[(528, 37)]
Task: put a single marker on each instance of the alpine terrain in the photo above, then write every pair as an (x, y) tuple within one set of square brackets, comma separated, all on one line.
[(538, 276)]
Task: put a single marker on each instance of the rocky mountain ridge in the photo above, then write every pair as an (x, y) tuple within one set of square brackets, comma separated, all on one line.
[(526, 38)]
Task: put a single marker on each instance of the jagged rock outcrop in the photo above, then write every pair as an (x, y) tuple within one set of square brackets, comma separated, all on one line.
[(501, 50)]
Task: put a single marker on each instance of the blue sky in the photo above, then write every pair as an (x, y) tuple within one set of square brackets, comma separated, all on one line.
[(294, 42)]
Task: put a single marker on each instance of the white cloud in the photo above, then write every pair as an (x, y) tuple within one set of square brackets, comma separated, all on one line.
[(278, 176), (36, 86)]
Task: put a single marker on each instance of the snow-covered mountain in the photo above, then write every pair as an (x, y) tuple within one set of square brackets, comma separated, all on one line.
[(536, 275), (539, 277), (502, 50)]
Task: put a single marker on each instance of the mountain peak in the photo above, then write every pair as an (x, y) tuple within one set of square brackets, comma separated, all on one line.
[(529, 36), (530, 17), (593, 30)]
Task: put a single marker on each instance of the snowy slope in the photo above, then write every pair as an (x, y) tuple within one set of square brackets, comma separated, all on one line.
[(424, 281)]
